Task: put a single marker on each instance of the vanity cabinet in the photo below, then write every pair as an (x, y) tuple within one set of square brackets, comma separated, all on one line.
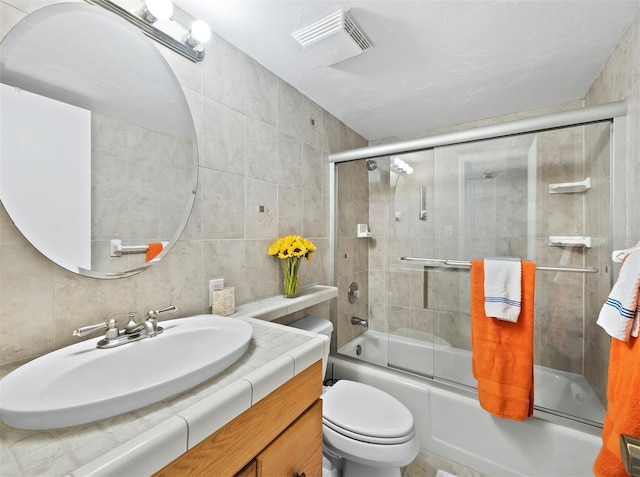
[(281, 435), (295, 451)]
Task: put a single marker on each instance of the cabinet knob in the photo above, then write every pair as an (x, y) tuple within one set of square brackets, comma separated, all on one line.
[(301, 474)]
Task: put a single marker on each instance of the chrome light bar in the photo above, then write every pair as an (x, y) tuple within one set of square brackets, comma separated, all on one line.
[(168, 32)]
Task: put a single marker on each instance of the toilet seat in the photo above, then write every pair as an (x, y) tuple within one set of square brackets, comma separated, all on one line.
[(378, 455), (365, 438), (366, 414)]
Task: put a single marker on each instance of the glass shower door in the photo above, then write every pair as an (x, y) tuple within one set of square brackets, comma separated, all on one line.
[(540, 197), (529, 196)]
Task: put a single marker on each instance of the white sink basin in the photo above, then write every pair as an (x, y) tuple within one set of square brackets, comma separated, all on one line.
[(81, 383)]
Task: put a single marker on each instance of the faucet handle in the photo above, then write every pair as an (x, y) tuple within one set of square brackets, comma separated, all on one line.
[(111, 325), (154, 314), (86, 330)]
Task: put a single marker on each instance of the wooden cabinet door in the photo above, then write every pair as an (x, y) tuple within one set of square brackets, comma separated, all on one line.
[(298, 450)]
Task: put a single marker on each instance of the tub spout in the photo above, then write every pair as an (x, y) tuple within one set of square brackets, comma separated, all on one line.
[(359, 321)]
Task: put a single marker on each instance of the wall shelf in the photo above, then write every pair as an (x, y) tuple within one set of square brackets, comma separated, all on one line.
[(362, 231), (569, 241), (272, 308), (570, 187)]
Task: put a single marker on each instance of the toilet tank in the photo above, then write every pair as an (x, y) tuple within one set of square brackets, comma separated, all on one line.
[(320, 325)]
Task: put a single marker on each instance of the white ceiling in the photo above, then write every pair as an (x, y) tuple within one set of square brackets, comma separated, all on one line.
[(434, 63)]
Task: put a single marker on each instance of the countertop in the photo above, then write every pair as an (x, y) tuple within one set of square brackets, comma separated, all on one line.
[(143, 441)]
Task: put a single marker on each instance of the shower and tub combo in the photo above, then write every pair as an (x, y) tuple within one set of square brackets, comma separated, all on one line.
[(546, 189)]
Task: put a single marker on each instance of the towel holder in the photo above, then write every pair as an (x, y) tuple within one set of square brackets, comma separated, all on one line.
[(441, 262), (117, 249), (619, 255), (569, 241)]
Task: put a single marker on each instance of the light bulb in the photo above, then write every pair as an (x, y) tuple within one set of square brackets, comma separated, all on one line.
[(158, 9), (200, 32)]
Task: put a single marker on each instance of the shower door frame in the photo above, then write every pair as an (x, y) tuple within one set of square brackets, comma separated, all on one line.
[(614, 112)]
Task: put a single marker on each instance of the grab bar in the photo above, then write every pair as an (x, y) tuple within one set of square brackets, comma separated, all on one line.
[(467, 264)]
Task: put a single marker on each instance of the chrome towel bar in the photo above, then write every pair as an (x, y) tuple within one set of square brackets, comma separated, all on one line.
[(440, 262)]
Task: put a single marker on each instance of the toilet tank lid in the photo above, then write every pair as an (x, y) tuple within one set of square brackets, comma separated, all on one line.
[(315, 324)]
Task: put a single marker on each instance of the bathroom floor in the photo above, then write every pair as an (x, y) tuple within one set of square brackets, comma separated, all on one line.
[(428, 464)]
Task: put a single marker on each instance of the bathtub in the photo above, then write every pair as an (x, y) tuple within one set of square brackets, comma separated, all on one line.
[(450, 421)]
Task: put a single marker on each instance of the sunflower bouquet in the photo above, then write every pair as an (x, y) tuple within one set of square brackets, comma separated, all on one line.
[(291, 250)]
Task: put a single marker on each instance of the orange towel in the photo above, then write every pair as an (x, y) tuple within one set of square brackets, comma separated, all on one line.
[(502, 359), (623, 408), (153, 250)]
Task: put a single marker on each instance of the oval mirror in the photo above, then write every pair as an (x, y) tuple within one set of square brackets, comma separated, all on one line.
[(98, 153)]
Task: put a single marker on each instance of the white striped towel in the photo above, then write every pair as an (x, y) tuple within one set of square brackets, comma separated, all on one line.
[(503, 288), (620, 311)]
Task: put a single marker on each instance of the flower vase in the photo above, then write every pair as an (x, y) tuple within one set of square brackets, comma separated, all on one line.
[(290, 268)]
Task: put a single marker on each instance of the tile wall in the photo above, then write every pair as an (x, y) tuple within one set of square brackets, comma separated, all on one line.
[(352, 252), (261, 143)]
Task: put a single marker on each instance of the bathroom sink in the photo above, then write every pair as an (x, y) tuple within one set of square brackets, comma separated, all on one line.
[(81, 383)]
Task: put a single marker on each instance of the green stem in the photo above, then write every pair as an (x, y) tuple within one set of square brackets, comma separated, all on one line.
[(290, 267)]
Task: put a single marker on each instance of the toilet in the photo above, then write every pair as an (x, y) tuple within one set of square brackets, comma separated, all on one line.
[(365, 431)]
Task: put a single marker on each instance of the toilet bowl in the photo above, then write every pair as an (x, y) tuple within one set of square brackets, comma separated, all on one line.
[(365, 431)]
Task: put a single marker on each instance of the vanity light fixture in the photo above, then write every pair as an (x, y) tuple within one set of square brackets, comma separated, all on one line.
[(399, 166), (200, 33), (154, 18), (155, 10)]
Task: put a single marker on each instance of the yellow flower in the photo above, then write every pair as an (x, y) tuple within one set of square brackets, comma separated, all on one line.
[(292, 246), (274, 249)]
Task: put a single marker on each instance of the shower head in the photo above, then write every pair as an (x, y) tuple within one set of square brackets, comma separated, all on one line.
[(371, 165)]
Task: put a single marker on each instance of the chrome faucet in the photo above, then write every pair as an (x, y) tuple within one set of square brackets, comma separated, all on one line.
[(359, 321), (132, 331)]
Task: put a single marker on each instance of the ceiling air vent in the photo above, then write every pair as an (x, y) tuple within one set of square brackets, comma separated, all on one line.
[(333, 38)]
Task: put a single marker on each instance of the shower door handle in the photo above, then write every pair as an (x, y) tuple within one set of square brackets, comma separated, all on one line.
[(423, 203)]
